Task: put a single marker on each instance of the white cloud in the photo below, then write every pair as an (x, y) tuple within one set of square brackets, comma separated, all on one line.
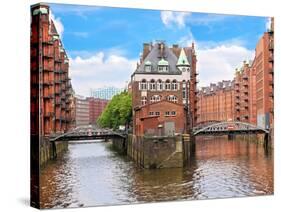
[(268, 24), (100, 70), (170, 18), (80, 34), (216, 61), (187, 39), (58, 24), (219, 63), (181, 19)]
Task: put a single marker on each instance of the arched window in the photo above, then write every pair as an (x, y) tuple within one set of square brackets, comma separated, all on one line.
[(143, 85), (152, 85), (174, 85), (155, 98), (143, 100), (159, 85), (172, 98), (167, 85)]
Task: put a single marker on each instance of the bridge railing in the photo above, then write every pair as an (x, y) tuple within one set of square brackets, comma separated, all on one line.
[(228, 127)]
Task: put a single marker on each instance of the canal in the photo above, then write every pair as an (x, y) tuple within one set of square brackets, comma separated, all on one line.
[(92, 174)]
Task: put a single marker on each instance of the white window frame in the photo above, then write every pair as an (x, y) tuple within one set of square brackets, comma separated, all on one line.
[(143, 100)]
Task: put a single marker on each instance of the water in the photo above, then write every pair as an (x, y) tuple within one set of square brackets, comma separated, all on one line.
[(92, 174)]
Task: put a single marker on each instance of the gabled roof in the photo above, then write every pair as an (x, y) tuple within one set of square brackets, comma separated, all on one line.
[(154, 57), (183, 59)]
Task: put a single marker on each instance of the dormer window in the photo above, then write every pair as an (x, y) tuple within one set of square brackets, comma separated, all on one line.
[(163, 65), (147, 66)]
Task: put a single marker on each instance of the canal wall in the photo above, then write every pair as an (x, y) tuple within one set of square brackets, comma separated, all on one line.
[(160, 151), (119, 144), (49, 150)]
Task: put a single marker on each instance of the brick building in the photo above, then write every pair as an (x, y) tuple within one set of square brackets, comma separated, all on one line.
[(163, 90), (253, 89), (245, 94), (82, 115), (96, 107), (50, 82), (216, 102), (264, 67)]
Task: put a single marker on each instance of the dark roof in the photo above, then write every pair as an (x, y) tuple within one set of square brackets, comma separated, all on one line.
[(154, 56)]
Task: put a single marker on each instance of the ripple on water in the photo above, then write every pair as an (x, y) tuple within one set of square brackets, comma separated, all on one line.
[(91, 174)]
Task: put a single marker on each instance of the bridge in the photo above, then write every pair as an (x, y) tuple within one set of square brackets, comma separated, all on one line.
[(228, 128), (87, 133)]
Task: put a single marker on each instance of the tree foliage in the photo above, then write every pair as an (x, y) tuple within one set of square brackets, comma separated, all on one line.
[(117, 112)]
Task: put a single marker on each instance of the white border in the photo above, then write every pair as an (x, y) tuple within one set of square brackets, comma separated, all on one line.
[(14, 111)]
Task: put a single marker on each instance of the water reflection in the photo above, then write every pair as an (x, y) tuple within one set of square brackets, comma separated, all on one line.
[(92, 174)]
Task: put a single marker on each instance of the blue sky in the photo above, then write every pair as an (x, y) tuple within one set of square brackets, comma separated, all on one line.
[(108, 41)]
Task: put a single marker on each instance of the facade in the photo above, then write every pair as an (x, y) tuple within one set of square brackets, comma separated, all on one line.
[(245, 94), (264, 67), (50, 82), (163, 87), (82, 115), (96, 107), (253, 96), (216, 102), (105, 93)]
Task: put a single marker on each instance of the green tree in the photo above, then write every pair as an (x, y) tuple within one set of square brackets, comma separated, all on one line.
[(117, 112)]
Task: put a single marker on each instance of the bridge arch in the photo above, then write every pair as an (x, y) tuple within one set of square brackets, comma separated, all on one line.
[(228, 127)]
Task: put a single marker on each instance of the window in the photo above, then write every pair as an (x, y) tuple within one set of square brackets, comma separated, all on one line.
[(167, 85), (152, 85), (147, 68), (167, 113), (173, 113), (163, 68), (143, 85), (157, 113), (174, 85), (184, 84), (172, 98), (151, 113), (159, 85), (143, 100), (184, 93), (155, 98)]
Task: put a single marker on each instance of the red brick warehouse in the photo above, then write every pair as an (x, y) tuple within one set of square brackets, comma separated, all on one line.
[(51, 90)]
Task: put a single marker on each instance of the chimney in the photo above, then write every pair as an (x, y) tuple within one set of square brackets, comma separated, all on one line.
[(192, 45), (146, 50)]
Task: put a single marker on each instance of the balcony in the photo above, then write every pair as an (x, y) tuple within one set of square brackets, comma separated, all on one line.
[(48, 114), (271, 71), (271, 46), (48, 42), (271, 58), (271, 82), (57, 71), (48, 55), (50, 96), (245, 77)]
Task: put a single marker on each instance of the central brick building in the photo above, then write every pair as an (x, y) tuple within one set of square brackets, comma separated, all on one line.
[(163, 90)]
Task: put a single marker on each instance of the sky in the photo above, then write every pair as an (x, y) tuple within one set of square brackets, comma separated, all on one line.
[(104, 44)]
